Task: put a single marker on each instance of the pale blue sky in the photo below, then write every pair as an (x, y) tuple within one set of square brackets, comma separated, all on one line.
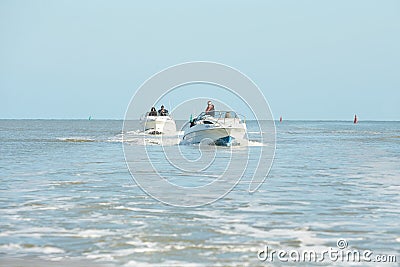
[(312, 59)]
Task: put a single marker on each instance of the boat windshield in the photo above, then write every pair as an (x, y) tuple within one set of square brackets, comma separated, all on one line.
[(154, 114), (219, 115)]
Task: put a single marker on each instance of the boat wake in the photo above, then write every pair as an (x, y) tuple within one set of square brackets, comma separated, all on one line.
[(145, 138), (76, 139), (255, 143)]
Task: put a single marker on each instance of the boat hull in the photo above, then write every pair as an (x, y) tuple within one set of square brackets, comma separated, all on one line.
[(217, 135), (158, 125)]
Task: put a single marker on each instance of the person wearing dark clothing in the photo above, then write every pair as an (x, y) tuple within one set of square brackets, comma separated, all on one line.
[(153, 112), (163, 111)]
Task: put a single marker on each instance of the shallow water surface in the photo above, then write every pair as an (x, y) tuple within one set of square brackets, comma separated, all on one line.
[(66, 195)]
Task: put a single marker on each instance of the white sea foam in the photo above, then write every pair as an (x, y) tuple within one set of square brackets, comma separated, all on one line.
[(100, 257), (92, 233), (17, 248), (134, 263), (143, 138), (254, 132), (255, 143), (78, 139)]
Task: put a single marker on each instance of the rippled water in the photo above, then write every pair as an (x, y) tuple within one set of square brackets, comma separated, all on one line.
[(66, 195)]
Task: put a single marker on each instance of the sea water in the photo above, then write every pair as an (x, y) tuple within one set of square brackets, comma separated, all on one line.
[(66, 196)]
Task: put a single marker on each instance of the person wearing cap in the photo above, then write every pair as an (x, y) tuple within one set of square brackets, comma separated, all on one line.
[(210, 109), (163, 111)]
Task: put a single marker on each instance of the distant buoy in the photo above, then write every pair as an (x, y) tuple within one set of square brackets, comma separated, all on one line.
[(355, 119), (90, 117), (280, 119)]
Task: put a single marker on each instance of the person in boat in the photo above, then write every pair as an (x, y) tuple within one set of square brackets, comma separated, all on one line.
[(210, 110), (163, 111), (153, 112)]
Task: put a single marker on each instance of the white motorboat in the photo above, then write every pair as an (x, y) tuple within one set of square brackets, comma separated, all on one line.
[(224, 128), (158, 124)]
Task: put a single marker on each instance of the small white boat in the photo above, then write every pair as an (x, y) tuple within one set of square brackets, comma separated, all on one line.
[(224, 128), (158, 124)]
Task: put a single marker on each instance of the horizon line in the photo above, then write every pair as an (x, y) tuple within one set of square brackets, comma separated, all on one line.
[(113, 119)]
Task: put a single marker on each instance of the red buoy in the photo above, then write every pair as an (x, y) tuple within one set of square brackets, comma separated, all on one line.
[(280, 119), (355, 119)]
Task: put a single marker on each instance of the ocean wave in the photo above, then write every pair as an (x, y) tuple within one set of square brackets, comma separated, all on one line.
[(255, 143), (76, 139), (30, 248)]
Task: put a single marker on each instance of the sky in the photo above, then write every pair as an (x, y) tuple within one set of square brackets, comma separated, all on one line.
[(313, 60)]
